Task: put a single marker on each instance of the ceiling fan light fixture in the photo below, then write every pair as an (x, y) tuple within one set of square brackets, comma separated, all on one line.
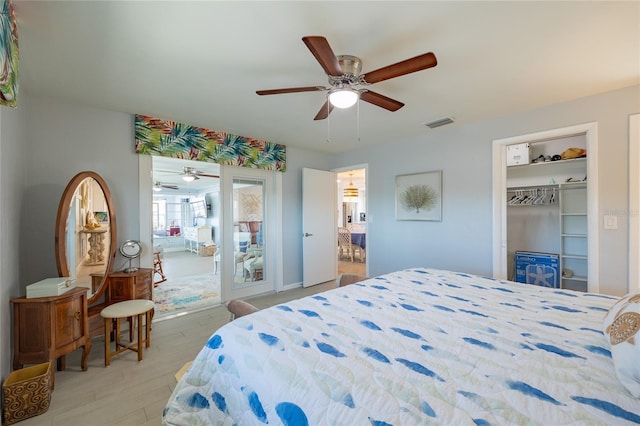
[(157, 187), (343, 97), (188, 178)]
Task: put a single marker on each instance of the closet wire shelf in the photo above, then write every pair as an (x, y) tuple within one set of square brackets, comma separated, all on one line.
[(539, 195)]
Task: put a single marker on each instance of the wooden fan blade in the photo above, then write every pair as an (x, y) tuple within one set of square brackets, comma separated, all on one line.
[(207, 175), (291, 90), (324, 111), (418, 63), (320, 48), (381, 100), (169, 186)]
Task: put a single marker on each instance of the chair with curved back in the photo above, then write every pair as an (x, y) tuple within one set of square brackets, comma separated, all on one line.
[(344, 242), (253, 264), (240, 255)]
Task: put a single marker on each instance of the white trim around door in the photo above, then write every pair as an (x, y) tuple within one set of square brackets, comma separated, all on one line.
[(634, 202)]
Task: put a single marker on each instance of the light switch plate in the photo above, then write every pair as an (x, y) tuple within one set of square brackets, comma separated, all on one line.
[(610, 222)]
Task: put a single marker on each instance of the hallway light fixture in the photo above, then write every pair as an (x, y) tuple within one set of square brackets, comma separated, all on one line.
[(351, 191)]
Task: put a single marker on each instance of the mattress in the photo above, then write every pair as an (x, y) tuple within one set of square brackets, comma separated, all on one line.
[(418, 346)]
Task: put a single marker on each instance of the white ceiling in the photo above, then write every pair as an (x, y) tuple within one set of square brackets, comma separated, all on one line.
[(169, 171), (201, 62)]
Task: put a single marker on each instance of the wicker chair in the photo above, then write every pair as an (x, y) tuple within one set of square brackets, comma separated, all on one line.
[(344, 242)]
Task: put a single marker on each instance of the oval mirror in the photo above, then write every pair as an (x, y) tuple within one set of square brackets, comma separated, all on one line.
[(85, 233)]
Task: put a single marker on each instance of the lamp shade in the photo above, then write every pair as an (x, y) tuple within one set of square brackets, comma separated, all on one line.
[(351, 192), (343, 98)]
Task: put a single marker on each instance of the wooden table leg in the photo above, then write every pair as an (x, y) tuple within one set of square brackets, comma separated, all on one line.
[(62, 363), (140, 337), (107, 338), (85, 355), (148, 327), (116, 332)]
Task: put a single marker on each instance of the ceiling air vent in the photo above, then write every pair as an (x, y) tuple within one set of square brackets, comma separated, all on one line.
[(438, 123)]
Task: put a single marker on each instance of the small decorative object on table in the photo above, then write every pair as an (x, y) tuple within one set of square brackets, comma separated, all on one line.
[(50, 287), (131, 249)]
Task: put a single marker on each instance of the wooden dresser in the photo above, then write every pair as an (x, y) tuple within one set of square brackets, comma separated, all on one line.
[(48, 328), (120, 286)]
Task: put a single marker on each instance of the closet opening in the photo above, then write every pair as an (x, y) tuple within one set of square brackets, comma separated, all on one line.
[(545, 205)]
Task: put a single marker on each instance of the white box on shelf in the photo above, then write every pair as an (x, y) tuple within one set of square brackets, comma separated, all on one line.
[(50, 287), (518, 154)]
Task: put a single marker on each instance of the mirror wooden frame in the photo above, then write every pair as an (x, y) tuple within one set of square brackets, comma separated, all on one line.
[(61, 229)]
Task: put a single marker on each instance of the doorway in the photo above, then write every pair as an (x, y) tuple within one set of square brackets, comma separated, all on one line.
[(222, 224), (186, 228), (352, 214)]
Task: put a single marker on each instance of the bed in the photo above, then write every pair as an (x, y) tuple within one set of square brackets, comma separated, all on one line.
[(418, 346)]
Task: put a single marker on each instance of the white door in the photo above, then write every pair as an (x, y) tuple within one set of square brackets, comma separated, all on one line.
[(319, 231), (251, 245)]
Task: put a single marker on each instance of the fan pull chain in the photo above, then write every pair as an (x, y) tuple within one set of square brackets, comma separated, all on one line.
[(328, 121), (358, 119)]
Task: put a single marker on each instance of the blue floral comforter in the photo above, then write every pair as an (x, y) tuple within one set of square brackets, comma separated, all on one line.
[(418, 346)]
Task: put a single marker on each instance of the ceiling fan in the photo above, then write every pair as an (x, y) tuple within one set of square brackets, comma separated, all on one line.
[(345, 79), (159, 186), (191, 173)]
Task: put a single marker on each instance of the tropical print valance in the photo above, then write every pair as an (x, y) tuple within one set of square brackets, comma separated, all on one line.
[(8, 54), (171, 139)]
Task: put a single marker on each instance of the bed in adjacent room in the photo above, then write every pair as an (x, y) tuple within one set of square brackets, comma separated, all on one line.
[(421, 346)]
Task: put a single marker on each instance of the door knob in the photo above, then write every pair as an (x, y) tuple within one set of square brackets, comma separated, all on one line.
[(306, 234)]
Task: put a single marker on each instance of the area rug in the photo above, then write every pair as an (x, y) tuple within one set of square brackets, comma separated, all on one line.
[(185, 294)]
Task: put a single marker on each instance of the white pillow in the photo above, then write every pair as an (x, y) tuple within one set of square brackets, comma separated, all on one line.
[(622, 330)]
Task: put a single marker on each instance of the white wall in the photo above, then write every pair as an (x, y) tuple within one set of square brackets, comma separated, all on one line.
[(12, 207), (462, 241)]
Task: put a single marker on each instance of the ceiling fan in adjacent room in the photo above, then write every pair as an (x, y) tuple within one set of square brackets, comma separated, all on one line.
[(347, 84), (159, 186), (191, 173)]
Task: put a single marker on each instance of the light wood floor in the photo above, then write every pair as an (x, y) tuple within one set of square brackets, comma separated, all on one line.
[(129, 392), (347, 267), (177, 264), (180, 264)]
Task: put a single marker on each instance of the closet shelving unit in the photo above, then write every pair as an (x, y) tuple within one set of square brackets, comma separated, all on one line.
[(574, 236)]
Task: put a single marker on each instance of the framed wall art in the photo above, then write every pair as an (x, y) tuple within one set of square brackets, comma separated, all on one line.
[(419, 196), (101, 216)]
